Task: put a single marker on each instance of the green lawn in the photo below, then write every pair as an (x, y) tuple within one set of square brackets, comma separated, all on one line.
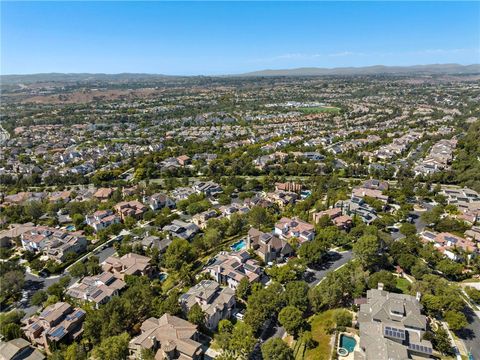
[(320, 109), (403, 285), (319, 323)]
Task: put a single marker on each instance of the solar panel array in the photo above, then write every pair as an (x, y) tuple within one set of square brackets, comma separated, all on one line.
[(394, 332), (421, 348), (59, 332)]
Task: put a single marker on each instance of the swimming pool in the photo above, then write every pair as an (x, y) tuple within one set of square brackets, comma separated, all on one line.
[(71, 228), (239, 245), (347, 342)]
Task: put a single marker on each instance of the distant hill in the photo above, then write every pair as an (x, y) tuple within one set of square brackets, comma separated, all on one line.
[(312, 71), (372, 70), (78, 77)]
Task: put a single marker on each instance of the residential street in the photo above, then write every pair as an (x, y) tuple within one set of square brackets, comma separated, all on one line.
[(471, 335), (338, 259)]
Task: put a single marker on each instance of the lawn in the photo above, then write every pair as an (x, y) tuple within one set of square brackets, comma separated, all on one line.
[(319, 323), (403, 285), (320, 109)]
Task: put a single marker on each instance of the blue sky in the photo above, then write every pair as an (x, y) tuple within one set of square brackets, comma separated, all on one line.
[(233, 37)]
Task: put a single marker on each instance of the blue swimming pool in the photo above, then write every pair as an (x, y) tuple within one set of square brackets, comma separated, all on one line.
[(347, 342), (239, 245), (71, 228)]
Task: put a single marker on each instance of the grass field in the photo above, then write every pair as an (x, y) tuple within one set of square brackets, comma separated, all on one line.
[(319, 323), (320, 109), (403, 285)]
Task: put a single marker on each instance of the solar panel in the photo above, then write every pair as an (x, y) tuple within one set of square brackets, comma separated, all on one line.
[(394, 332), (421, 348), (59, 332)]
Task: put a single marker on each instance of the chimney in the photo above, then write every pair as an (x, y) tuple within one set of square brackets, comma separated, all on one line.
[(418, 296), (380, 286)]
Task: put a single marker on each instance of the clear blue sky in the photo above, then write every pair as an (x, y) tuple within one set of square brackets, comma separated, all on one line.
[(233, 37)]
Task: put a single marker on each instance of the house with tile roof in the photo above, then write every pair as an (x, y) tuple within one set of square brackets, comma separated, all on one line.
[(169, 337), (57, 322), (128, 264)]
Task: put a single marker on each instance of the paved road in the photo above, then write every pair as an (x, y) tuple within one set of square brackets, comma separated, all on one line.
[(471, 335), (338, 259)]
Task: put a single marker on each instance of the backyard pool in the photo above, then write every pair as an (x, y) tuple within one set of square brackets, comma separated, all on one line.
[(71, 228), (239, 245), (347, 342)]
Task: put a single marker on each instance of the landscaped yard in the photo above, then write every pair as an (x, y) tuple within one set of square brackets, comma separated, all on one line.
[(403, 285), (319, 324)]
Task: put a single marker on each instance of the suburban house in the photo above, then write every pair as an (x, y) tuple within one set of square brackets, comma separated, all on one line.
[(288, 228), (230, 268), (133, 208), (183, 160), (159, 201), (365, 192), (169, 337), (358, 207), (466, 200), (446, 242), (209, 188), (335, 215), (101, 219), (57, 322), (128, 264), (282, 198), (182, 229), (268, 246), (201, 219), (288, 186), (376, 185), (19, 349), (103, 194), (97, 289), (391, 327), (54, 243), (152, 241), (217, 303), (13, 232)]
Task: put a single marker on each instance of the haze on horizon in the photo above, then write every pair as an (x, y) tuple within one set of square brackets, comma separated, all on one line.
[(214, 38)]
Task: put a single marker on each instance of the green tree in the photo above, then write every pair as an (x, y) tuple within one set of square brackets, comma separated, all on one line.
[(112, 348), (385, 277), (276, 349), (343, 318), (75, 351), (456, 320), (408, 229), (196, 315), (179, 253), (366, 250), (11, 331), (38, 298), (78, 270), (291, 319), (296, 294), (441, 342), (129, 222), (243, 289)]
